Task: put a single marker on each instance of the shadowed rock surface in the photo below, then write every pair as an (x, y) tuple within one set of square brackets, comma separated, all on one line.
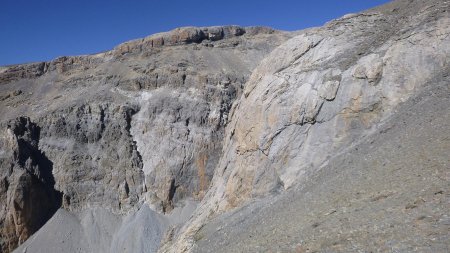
[(330, 139), (27, 195)]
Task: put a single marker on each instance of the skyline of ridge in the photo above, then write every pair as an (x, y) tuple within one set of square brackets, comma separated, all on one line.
[(44, 30)]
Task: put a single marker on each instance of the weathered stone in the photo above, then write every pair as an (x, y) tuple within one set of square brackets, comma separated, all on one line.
[(296, 114), (221, 115), (188, 35), (25, 71), (328, 89), (140, 125), (27, 195)]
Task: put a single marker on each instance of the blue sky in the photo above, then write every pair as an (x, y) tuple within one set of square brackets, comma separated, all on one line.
[(41, 30)]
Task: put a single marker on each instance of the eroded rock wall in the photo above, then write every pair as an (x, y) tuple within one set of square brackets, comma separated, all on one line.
[(27, 194), (317, 95), (140, 124), (95, 158)]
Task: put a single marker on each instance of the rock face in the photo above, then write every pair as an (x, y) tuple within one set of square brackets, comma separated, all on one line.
[(319, 94), (237, 118), (142, 123), (396, 198), (95, 158), (323, 90), (27, 195)]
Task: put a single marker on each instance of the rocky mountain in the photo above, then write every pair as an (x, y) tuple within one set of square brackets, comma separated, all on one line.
[(236, 139), (142, 123)]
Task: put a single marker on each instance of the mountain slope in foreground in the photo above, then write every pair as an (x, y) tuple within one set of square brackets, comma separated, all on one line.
[(388, 193), (231, 139)]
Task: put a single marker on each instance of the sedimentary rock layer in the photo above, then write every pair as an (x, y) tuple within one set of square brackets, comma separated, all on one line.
[(142, 123), (260, 127)]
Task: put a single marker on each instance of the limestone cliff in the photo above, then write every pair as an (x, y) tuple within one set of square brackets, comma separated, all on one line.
[(179, 141), (320, 94), (141, 123)]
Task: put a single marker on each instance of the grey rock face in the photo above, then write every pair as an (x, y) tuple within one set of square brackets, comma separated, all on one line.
[(139, 125), (317, 95), (95, 157), (188, 35), (227, 115), (387, 193), (27, 195), (16, 72)]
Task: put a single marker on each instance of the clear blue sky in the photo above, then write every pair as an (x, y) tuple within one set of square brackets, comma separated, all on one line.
[(40, 30)]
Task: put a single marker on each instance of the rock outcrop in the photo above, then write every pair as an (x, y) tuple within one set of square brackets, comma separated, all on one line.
[(234, 119), (323, 90), (319, 94), (27, 195), (142, 123), (96, 161), (388, 193)]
